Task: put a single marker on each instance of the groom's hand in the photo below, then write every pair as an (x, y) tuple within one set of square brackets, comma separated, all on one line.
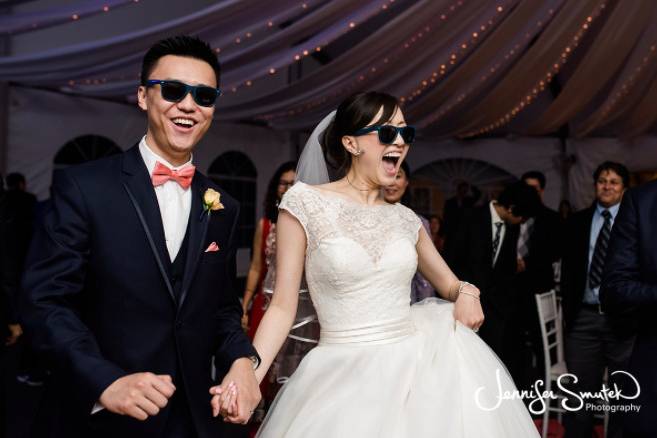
[(139, 395), (239, 393)]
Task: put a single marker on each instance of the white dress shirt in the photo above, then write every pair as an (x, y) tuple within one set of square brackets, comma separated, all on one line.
[(495, 220), (174, 201)]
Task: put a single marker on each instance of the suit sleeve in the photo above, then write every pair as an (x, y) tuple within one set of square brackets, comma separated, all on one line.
[(623, 288), (233, 342), (53, 289)]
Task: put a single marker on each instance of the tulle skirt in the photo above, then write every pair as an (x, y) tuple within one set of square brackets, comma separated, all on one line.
[(439, 380)]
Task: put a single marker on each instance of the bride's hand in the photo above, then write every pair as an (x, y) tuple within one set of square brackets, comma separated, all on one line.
[(467, 308), (224, 399)]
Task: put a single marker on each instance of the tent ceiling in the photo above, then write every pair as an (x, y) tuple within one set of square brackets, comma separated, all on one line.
[(463, 68)]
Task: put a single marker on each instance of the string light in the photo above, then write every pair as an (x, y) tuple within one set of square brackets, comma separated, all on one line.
[(540, 85), (374, 70), (628, 83), (462, 47), (74, 16)]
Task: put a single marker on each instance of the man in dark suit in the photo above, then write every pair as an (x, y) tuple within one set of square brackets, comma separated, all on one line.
[(538, 249), (466, 197), (592, 342), (16, 224), (130, 292), (629, 293), (482, 251)]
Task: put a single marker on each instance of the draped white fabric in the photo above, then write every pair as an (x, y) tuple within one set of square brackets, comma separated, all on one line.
[(463, 68)]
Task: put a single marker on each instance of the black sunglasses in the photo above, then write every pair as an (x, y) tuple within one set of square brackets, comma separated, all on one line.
[(388, 133), (175, 91)]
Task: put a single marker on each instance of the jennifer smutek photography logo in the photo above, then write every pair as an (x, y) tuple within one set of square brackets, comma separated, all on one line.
[(569, 400)]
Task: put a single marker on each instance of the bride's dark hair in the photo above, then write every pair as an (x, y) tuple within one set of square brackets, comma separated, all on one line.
[(355, 112)]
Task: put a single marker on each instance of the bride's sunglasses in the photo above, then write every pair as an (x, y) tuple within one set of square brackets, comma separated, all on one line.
[(388, 133), (175, 91)]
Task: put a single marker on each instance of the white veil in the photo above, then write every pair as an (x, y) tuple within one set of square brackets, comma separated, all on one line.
[(311, 168)]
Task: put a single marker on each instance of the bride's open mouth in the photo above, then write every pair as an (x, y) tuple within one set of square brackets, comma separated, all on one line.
[(390, 161)]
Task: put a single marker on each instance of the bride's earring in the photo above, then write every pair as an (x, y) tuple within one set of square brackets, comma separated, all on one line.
[(357, 153)]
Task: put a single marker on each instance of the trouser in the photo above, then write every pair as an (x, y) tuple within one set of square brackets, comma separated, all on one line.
[(592, 345)]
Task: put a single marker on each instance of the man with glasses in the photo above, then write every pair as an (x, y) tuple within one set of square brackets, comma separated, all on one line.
[(130, 294)]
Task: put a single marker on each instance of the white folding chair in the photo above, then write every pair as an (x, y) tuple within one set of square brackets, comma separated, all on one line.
[(552, 336)]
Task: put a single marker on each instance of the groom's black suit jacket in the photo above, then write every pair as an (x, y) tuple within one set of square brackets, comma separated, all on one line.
[(629, 294), (469, 253), (101, 303)]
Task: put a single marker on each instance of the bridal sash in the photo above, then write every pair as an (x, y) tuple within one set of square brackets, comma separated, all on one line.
[(378, 333)]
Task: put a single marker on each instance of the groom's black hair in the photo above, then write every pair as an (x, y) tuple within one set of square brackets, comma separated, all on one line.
[(522, 198), (181, 45)]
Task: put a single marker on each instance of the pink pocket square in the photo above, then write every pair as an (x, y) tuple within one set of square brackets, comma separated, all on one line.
[(213, 247)]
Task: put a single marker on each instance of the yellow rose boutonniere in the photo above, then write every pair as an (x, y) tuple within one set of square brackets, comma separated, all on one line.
[(212, 201)]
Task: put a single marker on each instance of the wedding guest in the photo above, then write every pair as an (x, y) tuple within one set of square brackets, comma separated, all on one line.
[(538, 248), (628, 295), (397, 192), (264, 237), (437, 235), (466, 197), (565, 210), (592, 342), (483, 250), (16, 222)]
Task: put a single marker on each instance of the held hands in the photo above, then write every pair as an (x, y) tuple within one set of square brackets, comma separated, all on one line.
[(139, 395), (245, 321), (467, 308), (238, 395)]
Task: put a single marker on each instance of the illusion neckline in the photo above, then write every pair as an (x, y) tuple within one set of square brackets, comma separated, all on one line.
[(327, 194)]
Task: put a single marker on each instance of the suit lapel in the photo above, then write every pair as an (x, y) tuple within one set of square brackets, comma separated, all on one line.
[(140, 191), (198, 228), (586, 239)]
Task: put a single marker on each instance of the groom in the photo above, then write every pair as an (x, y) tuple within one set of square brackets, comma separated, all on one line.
[(130, 296)]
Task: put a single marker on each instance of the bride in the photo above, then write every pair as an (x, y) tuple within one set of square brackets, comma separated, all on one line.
[(382, 368)]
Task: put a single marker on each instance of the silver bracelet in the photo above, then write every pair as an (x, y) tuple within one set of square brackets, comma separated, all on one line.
[(461, 291)]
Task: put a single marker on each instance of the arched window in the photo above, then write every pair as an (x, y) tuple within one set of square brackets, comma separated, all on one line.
[(433, 183), (85, 148), (236, 174)]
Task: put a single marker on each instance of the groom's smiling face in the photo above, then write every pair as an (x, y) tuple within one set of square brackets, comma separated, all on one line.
[(174, 128)]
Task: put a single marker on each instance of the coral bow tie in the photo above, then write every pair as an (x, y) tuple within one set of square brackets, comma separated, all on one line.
[(162, 174)]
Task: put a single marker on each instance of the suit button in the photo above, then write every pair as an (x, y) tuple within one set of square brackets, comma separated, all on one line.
[(179, 324)]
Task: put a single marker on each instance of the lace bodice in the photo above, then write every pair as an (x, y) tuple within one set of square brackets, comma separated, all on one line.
[(360, 259)]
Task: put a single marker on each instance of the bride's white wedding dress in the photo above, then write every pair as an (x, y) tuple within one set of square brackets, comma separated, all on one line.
[(384, 368)]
